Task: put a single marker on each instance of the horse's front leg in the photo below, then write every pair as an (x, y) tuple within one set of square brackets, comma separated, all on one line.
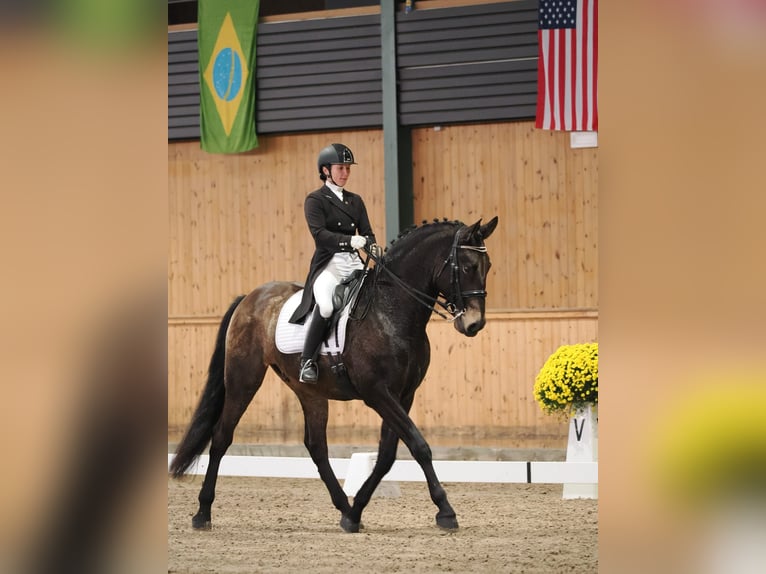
[(396, 417), (386, 458), (315, 413)]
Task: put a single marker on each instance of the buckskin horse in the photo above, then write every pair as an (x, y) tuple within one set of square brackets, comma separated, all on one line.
[(442, 263)]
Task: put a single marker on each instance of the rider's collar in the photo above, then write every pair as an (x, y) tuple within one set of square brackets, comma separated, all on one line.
[(336, 189)]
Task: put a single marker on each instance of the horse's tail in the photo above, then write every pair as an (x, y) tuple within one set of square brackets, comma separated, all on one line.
[(210, 404)]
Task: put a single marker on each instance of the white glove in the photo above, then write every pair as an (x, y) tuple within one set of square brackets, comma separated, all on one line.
[(358, 241)]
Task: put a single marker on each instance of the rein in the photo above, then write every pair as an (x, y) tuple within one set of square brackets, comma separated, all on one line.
[(452, 305)]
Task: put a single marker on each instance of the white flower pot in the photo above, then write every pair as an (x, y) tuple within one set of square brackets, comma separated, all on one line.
[(582, 446)]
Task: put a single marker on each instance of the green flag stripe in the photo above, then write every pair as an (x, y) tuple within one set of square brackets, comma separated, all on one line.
[(226, 44)]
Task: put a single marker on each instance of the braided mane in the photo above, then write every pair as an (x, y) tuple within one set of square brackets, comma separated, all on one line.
[(425, 223)]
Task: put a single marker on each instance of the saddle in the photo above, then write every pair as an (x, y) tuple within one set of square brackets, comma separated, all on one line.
[(345, 297), (347, 291), (289, 337)]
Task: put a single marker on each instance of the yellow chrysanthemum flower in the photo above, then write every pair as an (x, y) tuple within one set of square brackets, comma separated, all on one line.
[(569, 377)]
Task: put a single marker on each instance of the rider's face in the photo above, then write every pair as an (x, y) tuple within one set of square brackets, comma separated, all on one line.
[(340, 173)]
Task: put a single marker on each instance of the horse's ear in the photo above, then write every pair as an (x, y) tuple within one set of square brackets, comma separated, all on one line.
[(486, 230), (472, 230)]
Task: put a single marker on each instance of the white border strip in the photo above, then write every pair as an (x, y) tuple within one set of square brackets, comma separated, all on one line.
[(537, 472)]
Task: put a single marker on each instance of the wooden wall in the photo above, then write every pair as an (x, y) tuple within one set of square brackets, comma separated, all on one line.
[(545, 193), (236, 221)]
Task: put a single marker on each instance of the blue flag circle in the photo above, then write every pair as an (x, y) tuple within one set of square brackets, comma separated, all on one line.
[(227, 74)]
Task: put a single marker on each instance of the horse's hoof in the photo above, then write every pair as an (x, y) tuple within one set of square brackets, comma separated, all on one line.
[(201, 523), (447, 522), (348, 525)]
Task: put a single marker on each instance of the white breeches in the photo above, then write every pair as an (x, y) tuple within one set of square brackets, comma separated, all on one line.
[(339, 267)]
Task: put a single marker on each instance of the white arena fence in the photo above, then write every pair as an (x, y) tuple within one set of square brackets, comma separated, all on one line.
[(356, 469)]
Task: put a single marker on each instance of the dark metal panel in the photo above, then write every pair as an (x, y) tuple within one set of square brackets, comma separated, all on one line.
[(476, 93), (337, 100), (296, 84), (181, 57), (179, 111), (177, 58), (266, 126), (482, 81), (317, 79), (409, 28), (183, 85), (188, 78), (337, 46), (184, 67), (471, 50), (183, 121), (312, 68), (467, 63), (490, 28), (458, 45), (466, 57), (182, 40), (320, 110), (186, 100), (470, 115), (184, 133), (311, 90), (314, 29), (474, 68), (177, 90), (465, 13), (467, 103), (315, 59)]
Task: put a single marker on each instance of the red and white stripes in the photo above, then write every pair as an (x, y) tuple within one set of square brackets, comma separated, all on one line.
[(567, 75)]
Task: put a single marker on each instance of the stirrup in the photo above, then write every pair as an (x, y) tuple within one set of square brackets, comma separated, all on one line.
[(309, 372)]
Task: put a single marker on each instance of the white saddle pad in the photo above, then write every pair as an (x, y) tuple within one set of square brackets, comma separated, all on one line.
[(290, 337)]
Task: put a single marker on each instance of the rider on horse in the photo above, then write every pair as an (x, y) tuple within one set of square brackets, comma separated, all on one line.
[(338, 222)]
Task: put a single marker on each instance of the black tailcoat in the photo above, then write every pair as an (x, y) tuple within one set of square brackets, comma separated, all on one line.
[(331, 222)]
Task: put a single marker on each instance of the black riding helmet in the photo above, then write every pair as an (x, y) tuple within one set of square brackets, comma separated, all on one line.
[(334, 154)]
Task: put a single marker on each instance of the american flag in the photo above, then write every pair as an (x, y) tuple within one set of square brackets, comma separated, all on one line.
[(567, 67)]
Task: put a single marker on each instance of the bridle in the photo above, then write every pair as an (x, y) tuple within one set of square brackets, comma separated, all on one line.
[(452, 303)]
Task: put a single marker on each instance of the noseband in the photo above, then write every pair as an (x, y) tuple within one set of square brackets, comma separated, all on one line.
[(453, 303)]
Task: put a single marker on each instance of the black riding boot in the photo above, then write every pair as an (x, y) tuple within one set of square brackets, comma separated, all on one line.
[(316, 333)]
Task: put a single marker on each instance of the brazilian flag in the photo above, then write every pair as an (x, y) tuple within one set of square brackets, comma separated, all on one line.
[(226, 39)]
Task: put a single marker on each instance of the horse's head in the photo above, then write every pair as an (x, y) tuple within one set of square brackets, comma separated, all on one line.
[(442, 264), (463, 277)]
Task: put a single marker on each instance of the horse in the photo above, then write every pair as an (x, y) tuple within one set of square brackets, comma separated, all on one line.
[(387, 352)]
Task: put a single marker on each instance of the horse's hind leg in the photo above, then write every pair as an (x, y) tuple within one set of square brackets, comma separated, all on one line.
[(243, 379), (315, 412)]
